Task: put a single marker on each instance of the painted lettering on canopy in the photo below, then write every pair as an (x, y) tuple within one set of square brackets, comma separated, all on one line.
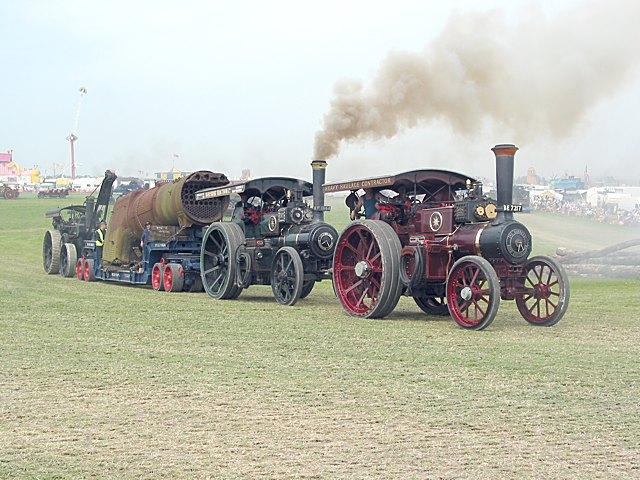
[(358, 184), (219, 192)]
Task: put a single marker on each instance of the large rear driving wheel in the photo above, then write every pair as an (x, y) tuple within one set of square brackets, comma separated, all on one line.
[(217, 262), (473, 292), (366, 269), (51, 251), (545, 298)]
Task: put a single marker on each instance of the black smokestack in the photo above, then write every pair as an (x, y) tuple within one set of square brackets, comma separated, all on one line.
[(504, 179), (319, 170)]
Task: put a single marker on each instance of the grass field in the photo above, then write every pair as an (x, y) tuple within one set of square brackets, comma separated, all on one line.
[(111, 381)]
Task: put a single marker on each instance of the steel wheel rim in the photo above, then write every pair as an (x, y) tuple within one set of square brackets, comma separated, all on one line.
[(63, 261), (358, 291), (86, 270), (468, 289), (47, 250), (543, 290), (216, 261), (284, 275)]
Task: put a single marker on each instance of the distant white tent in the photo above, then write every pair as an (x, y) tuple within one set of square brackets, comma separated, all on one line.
[(546, 194)]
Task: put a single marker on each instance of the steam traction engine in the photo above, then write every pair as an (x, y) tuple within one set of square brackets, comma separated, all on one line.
[(437, 238), (274, 238), (71, 226)]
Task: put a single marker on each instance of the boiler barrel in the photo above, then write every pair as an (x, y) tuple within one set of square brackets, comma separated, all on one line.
[(169, 204), (175, 203)]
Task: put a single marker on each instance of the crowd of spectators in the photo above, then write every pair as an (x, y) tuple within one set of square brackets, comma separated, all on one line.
[(605, 214)]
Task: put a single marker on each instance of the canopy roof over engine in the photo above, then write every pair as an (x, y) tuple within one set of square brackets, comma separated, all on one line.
[(421, 180), (269, 187)]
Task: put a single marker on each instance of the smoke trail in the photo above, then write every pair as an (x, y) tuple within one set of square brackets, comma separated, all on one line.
[(535, 79)]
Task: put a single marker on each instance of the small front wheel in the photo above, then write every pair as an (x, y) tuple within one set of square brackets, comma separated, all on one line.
[(287, 275), (473, 292), (545, 296)]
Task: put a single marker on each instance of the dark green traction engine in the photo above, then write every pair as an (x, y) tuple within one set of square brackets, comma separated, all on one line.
[(274, 237)]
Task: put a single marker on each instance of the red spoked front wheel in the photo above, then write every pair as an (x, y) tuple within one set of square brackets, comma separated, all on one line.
[(473, 292), (366, 269), (545, 296)]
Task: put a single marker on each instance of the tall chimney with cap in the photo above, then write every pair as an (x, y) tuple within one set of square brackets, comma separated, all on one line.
[(504, 179), (319, 171)]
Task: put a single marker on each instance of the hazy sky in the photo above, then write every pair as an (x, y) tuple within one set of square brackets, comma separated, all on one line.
[(234, 85)]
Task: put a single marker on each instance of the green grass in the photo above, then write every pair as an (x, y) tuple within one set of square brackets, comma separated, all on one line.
[(105, 380)]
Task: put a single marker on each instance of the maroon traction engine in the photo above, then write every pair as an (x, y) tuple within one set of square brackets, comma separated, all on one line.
[(437, 238)]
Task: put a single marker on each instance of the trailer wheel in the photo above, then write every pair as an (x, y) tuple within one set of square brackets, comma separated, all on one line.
[(433, 305), (366, 269), (51, 251), (473, 292), (217, 263), (287, 276), (173, 277), (80, 268), (68, 259), (306, 288), (545, 295), (89, 274), (156, 277)]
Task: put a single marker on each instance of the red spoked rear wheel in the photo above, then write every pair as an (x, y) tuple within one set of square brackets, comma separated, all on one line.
[(156, 277), (366, 269), (473, 292), (545, 296)]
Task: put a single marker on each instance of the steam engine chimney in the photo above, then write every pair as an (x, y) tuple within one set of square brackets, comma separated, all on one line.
[(504, 179), (319, 171)]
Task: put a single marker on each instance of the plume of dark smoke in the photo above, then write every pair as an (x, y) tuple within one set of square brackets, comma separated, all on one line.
[(535, 78)]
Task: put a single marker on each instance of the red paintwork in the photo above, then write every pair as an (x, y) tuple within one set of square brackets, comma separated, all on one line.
[(469, 313), (253, 214), (541, 293), (167, 278), (156, 277), (80, 268), (443, 245), (358, 295), (87, 271)]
